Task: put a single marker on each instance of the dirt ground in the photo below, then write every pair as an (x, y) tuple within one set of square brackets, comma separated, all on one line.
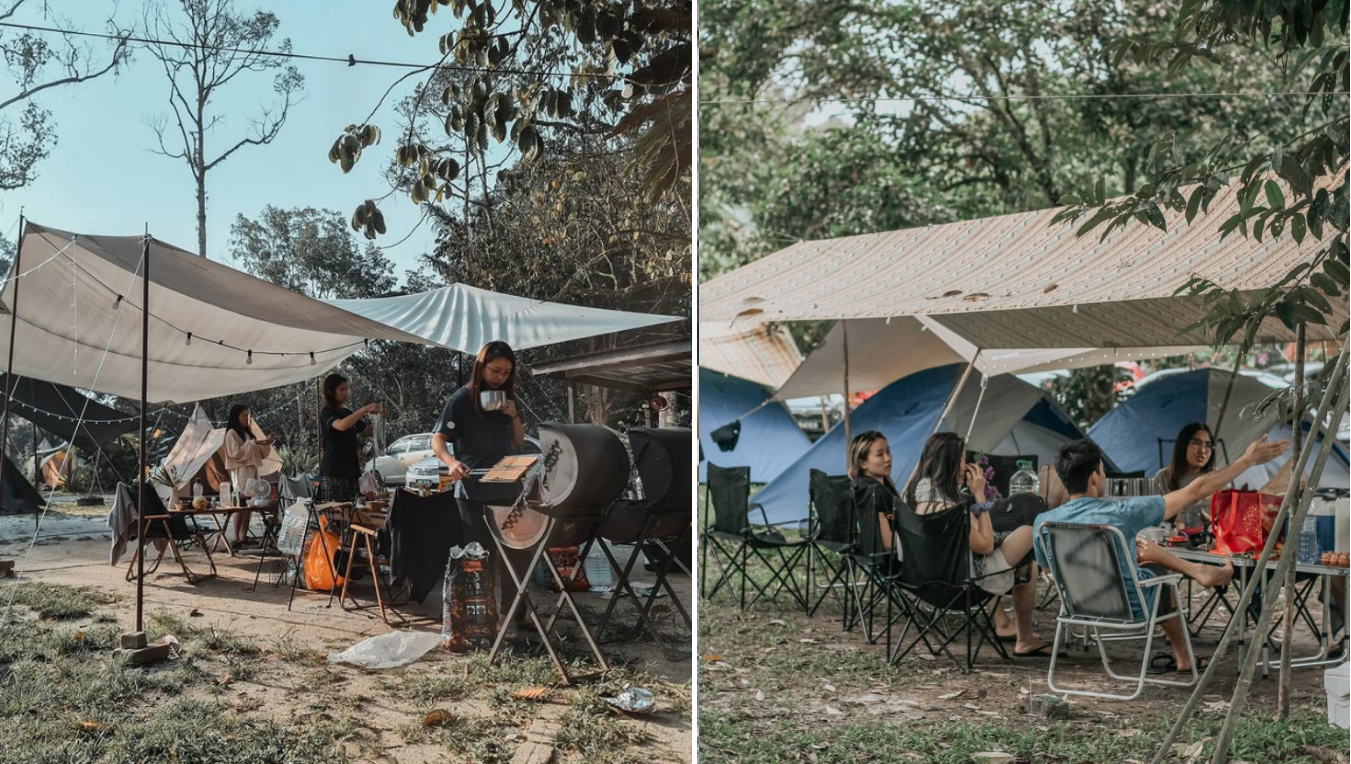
[(289, 677), (777, 685)]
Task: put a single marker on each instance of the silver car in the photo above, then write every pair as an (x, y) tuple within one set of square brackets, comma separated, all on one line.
[(402, 454), (427, 473)]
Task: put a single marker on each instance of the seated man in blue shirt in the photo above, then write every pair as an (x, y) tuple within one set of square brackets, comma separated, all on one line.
[(1079, 466)]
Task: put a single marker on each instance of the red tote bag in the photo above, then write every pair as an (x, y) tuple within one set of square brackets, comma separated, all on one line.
[(1241, 520)]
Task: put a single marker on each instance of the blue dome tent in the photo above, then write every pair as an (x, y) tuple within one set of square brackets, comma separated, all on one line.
[(1138, 434), (1014, 418), (770, 440)]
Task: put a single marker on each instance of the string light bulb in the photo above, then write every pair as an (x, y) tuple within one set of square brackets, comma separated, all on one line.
[(117, 303), (189, 342), (250, 358), (312, 358)]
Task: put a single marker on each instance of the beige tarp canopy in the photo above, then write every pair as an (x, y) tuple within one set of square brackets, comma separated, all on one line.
[(1015, 281), (883, 350), (69, 311), (762, 353)]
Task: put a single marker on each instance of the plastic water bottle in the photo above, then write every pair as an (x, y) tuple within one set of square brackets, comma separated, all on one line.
[(1307, 553), (1024, 480)]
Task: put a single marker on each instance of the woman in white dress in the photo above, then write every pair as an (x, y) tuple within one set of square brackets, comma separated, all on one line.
[(244, 454)]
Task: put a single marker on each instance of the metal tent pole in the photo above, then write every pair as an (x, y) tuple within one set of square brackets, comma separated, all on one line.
[(6, 566), (847, 437), (140, 471)]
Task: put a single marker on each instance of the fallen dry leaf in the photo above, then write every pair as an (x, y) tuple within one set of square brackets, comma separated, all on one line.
[(225, 681), (833, 711), (952, 695), (760, 695), (532, 693), (712, 658), (1127, 733), (828, 687), (982, 694), (90, 727), (777, 622), (437, 718)]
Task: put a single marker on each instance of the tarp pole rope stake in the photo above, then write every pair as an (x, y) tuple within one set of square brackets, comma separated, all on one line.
[(984, 383)]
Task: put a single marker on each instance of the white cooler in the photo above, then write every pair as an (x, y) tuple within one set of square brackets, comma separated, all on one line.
[(1335, 681)]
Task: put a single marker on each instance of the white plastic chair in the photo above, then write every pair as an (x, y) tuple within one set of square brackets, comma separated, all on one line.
[(1094, 594)]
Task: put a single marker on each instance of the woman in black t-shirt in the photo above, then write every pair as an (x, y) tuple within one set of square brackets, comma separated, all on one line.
[(339, 426), (482, 438)]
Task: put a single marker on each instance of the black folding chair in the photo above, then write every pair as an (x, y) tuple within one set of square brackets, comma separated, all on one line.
[(832, 536), (733, 541), (946, 600), (1086, 563), (873, 568)]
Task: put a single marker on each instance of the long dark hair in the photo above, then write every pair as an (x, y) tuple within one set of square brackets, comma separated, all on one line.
[(859, 448), (941, 463), (331, 384), (1179, 466), (232, 423), (486, 355)]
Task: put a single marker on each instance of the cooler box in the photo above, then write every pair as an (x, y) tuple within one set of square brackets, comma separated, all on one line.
[(1335, 681)]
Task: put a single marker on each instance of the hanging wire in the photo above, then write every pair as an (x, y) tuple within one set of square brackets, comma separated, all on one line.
[(1051, 97), (348, 60)]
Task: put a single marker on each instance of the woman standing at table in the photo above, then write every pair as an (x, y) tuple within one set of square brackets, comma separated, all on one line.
[(339, 426), (482, 438), (244, 454)]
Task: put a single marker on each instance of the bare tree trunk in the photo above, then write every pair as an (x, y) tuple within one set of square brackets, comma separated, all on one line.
[(1288, 617)]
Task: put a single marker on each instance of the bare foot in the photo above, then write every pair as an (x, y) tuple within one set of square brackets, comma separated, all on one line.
[(1214, 575)]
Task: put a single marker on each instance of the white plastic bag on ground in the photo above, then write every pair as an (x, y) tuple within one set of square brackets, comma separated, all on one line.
[(392, 650)]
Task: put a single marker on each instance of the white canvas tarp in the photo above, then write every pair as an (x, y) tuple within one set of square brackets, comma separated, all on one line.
[(882, 351), (465, 318), (69, 313), (1015, 281)]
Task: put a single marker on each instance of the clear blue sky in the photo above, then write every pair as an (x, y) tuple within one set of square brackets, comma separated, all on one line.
[(103, 178)]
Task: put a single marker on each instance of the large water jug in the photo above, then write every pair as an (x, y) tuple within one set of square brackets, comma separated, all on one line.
[(1024, 480), (1307, 553)]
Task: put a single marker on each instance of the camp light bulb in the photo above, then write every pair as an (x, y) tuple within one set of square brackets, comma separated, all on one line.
[(250, 360), (189, 342), (117, 303), (311, 357)]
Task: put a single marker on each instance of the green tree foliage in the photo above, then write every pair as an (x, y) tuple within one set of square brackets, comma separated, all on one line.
[(310, 251), (1295, 183), (34, 63), (516, 79)]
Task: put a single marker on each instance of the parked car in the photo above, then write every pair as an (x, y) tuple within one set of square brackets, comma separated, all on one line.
[(403, 453), (427, 473)]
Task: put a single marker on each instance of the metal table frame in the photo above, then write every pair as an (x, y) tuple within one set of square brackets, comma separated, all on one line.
[(1243, 566)]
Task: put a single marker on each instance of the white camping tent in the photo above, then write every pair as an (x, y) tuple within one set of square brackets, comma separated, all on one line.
[(465, 318), (192, 456)]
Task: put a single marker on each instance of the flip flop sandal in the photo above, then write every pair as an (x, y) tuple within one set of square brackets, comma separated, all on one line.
[(1041, 652), (1167, 664)]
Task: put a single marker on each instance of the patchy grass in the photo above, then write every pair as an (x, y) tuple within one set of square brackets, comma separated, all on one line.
[(723, 737), (55, 602), (66, 697), (590, 729)]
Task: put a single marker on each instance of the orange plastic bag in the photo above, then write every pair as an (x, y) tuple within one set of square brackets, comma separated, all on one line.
[(320, 570), (1241, 520)]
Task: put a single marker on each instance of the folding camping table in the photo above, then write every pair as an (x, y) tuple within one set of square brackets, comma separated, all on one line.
[(1244, 566), (171, 543)]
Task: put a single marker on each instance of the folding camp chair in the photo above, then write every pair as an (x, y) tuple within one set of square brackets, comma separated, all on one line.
[(1094, 585), (831, 534), (733, 540), (167, 530), (873, 568), (289, 491), (936, 576)]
